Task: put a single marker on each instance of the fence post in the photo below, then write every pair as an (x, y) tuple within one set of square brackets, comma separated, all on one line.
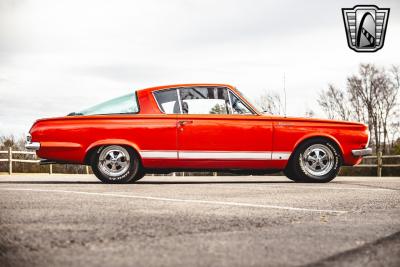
[(87, 169), (10, 160), (379, 165), (51, 169)]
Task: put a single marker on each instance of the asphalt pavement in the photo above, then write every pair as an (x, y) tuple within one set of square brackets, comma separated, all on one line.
[(74, 220)]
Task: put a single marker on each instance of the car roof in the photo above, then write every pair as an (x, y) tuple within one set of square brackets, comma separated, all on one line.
[(156, 88)]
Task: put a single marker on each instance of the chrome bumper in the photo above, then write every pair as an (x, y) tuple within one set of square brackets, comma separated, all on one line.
[(32, 145), (362, 152)]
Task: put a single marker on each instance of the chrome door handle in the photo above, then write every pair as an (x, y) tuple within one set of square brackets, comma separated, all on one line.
[(182, 123)]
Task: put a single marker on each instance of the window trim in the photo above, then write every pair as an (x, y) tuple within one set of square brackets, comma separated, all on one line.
[(229, 90), (158, 104), (243, 102)]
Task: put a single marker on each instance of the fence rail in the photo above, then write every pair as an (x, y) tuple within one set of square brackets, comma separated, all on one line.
[(10, 159), (379, 161)]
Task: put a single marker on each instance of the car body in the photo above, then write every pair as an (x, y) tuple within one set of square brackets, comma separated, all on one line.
[(193, 127)]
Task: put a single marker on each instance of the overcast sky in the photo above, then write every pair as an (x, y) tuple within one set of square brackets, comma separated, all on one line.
[(63, 56)]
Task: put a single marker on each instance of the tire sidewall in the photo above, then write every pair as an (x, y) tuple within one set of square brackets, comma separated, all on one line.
[(306, 177), (123, 178)]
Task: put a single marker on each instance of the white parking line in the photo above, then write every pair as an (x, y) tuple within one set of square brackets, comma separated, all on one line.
[(238, 204), (295, 186)]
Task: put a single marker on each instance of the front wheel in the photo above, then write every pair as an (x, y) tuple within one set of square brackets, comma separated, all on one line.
[(315, 160), (116, 164)]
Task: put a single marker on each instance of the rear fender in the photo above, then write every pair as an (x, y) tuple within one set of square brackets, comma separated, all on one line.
[(121, 142)]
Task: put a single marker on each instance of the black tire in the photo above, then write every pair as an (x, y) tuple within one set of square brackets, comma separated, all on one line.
[(108, 169), (316, 160), (139, 175), (289, 174)]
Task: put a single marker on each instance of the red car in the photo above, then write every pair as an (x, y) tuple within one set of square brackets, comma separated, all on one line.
[(196, 127)]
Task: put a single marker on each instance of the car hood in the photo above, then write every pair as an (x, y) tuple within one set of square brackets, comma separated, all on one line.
[(288, 120)]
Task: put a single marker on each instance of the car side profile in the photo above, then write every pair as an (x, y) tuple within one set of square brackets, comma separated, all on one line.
[(207, 127)]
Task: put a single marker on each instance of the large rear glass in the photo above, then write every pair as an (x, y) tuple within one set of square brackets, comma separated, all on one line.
[(121, 105)]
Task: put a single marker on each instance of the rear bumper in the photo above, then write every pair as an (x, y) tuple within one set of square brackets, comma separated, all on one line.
[(362, 152), (32, 145)]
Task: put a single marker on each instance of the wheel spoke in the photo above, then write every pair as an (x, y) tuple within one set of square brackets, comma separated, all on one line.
[(114, 161), (314, 165), (318, 160), (311, 158)]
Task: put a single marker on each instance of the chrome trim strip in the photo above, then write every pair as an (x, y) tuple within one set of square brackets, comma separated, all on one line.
[(280, 155), (32, 145), (230, 100), (152, 154), (227, 155), (362, 152), (178, 92), (264, 155)]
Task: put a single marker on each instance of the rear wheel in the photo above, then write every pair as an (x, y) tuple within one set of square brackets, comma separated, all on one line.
[(316, 160), (116, 164)]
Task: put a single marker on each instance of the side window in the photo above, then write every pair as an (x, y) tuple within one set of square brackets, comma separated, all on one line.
[(238, 107), (168, 101), (204, 100)]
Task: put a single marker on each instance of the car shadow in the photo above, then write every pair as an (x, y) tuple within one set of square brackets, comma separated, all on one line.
[(49, 182), (148, 182), (213, 182)]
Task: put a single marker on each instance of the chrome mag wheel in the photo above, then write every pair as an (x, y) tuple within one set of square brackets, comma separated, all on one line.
[(114, 161), (317, 160)]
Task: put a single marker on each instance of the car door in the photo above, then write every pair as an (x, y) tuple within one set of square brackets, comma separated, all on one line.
[(217, 130), (159, 151)]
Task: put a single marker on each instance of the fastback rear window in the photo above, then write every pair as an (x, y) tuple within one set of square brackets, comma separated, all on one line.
[(126, 104)]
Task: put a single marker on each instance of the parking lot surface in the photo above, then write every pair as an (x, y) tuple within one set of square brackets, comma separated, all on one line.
[(74, 220)]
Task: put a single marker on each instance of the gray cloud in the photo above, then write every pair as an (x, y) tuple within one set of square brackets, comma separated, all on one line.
[(61, 56)]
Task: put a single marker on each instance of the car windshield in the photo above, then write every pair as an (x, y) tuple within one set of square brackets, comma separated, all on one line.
[(126, 104), (255, 107)]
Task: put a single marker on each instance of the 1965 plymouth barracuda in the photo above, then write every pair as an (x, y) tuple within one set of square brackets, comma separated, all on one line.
[(196, 127)]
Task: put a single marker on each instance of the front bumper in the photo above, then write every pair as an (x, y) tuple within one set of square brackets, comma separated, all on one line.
[(32, 145), (362, 152)]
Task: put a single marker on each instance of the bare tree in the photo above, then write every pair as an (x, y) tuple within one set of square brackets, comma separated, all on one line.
[(377, 89), (333, 102), (371, 98), (270, 102)]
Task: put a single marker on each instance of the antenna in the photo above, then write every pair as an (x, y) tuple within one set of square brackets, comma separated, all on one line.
[(284, 91)]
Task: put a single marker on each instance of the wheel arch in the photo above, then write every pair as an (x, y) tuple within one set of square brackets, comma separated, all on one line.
[(317, 136), (122, 142)]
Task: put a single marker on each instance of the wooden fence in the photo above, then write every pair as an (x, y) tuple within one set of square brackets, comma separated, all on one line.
[(379, 161), (379, 165), (10, 159)]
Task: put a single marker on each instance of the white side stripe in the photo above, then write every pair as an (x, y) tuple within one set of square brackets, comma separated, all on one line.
[(224, 155), (280, 155), (159, 154), (233, 155)]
